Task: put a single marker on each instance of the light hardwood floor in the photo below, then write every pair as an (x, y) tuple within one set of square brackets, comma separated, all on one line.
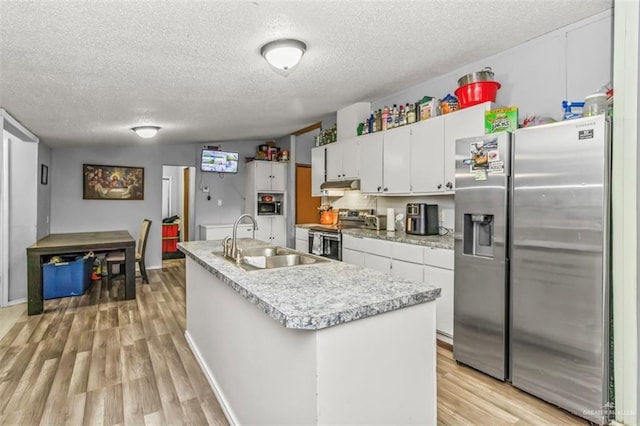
[(97, 359)]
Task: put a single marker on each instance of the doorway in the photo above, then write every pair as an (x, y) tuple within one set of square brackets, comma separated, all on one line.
[(178, 195)]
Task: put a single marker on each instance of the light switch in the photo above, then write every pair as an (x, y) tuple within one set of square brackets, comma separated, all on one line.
[(219, 203)]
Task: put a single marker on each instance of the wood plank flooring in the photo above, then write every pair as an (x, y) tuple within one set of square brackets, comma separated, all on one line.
[(98, 359)]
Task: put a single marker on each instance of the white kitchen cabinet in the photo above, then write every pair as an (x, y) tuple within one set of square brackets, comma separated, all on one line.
[(465, 123), (395, 168), (342, 160), (438, 270), (427, 156), (353, 257), (302, 240), (377, 263), (408, 270), (219, 232), (269, 175), (272, 229), (370, 163), (317, 170)]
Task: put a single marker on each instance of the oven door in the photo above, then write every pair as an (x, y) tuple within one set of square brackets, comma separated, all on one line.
[(325, 244)]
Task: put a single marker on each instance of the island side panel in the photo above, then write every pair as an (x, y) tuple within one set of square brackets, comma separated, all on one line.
[(263, 372), (380, 369)]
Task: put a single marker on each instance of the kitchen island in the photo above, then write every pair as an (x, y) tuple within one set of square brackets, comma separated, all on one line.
[(323, 343)]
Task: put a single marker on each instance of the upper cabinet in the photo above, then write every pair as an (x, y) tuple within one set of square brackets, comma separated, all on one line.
[(370, 163), (269, 175), (317, 170), (342, 160), (466, 123), (414, 159), (427, 156)]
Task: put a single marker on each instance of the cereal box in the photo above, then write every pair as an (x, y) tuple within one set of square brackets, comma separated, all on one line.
[(500, 120)]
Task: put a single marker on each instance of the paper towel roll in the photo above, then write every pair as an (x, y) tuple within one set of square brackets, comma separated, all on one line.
[(391, 219)]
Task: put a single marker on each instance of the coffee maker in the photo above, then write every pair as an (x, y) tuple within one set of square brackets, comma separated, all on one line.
[(422, 219)]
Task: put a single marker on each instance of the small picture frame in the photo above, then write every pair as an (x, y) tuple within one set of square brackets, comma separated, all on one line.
[(44, 174)]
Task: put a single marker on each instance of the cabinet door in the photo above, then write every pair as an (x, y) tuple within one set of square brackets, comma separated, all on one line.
[(370, 163), (352, 257), (302, 245), (334, 161), (263, 233), (407, 270), (262, 175), (317, 170), (378, 263), (427, 156), (244, 231), (278, 231), (278, 176), (350, 159), (442, 278), (465, 123), (396, 161)]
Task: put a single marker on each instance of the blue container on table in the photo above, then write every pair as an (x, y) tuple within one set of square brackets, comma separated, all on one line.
[(64, 279)]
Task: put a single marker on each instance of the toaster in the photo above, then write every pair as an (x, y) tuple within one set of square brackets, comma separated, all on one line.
[(374, 222)]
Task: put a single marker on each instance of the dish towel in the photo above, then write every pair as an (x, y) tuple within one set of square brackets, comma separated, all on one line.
[(316, 248)]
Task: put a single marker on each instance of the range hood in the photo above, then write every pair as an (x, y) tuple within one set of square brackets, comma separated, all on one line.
[(342, 184)]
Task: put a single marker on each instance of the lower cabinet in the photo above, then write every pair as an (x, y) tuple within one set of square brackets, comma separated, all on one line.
[(438, 270), (219, 232), (412, 262), (302, 240), (272, 229)]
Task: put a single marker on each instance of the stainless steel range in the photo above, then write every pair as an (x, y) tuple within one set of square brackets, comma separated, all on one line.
[(326, 240)]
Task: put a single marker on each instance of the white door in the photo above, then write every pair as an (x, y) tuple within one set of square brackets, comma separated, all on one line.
[(278, 176), (350, 159), (166, 196), (20, 198), (317, 170), (334, 161)]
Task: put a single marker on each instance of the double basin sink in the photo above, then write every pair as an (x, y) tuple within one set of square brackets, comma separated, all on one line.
[(270, 257)]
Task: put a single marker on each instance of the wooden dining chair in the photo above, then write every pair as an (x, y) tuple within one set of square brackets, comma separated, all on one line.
[(117, 258)]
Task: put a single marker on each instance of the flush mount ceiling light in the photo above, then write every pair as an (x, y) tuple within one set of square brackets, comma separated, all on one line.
[(283, 54), (146, 132)]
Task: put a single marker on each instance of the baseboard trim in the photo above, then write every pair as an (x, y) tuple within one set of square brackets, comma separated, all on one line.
[(444, 341), (226, 409), (17, 301)]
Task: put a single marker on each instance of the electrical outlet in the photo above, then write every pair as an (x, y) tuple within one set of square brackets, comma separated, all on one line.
[(219, 203)]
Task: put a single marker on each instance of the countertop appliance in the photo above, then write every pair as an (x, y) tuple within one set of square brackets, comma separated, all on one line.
[(375, 222), (422, 219), (531, 281), (326, 240), (269, 208)]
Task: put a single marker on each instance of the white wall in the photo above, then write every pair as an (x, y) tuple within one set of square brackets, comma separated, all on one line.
[(227, 187), (44, 193), (566, 64), (70, 213)]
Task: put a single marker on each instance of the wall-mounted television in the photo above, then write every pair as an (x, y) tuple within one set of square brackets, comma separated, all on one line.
[(218, 161)]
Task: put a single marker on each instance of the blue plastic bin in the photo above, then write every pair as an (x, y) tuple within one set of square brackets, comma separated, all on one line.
[(67, 278)]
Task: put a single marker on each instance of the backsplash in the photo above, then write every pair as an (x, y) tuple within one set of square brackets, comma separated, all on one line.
[(357, 200)]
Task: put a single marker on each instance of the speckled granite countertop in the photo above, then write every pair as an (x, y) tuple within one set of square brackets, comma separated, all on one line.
[(435, 241), (315, 296)]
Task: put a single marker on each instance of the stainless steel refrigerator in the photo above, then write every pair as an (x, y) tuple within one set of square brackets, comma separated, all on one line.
[(532, 261)]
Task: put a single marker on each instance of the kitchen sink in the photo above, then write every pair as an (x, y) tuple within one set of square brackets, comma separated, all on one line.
[(260, 258)]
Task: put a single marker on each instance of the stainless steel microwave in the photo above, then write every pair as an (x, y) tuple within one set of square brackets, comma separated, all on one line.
[(271, 207)]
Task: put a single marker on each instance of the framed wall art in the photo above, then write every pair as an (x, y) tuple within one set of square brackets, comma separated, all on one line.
[(112, 182)]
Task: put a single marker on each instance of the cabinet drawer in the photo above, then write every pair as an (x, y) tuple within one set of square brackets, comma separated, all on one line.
[(407, 252), (378, 247), (354, 243), (441, 258)]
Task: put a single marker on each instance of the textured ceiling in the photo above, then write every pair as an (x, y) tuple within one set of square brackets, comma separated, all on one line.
[(85, 72)]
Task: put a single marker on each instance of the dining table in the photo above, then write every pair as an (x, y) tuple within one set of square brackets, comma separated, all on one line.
[(76, 242)]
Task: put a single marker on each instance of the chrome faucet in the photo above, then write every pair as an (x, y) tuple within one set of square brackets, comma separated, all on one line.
[(233, 252)]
